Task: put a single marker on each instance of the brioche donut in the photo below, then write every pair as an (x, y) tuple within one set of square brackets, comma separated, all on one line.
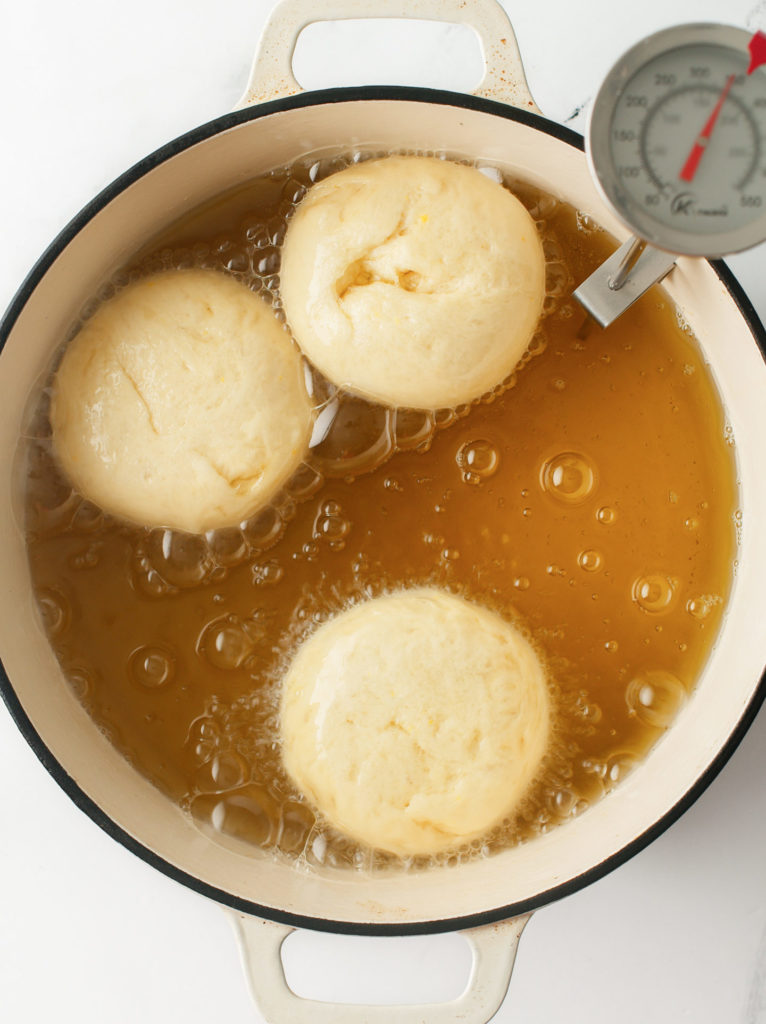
[(415, 721), (412, 281), (181, 403)]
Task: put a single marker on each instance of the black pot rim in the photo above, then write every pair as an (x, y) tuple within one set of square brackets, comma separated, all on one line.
[(58, 771)]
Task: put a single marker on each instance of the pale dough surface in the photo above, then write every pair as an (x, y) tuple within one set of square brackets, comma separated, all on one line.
[(415, 721), (181, 403), (413, 281)]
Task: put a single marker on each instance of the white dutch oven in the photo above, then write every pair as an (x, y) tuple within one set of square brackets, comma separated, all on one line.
[(491, 899)]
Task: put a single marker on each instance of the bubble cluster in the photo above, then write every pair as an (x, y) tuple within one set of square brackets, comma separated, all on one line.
[(701, 606), (86, 557), (558, 277), (331, 526), (267, 574), (203, 738)]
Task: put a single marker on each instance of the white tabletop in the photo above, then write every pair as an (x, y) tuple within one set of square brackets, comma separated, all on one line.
[(88, 932)]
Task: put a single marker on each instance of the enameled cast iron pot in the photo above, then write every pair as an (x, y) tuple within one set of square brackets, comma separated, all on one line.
[(500, 123)]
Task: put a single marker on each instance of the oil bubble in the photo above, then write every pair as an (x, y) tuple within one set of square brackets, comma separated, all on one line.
[(587, 710), (304, 482), (227, 642), (477, 460), (562, 802), (521, 583), (227, 546), (81, 682), (590, 560), (264, 530), (52, 509), (653, 593), (617, 767), (255, 232), (55, 611), (296, 823), (87, 517), (152, 666), (316, 850), (444, 418), (536, 347), (413, 428), (224, 771), (293, 191), (654, 696), (606, 515), (358, 440), (343, 853), (544, 208), (237, 263), (568, 477), (182, 559), (247, 814)]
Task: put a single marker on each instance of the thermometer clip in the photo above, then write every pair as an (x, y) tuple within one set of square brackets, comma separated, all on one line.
[(622, 279)]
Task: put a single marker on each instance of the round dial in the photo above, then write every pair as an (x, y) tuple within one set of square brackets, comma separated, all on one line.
[(677, 139)]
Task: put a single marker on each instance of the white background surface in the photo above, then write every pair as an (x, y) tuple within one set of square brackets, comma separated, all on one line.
[(89, 933)]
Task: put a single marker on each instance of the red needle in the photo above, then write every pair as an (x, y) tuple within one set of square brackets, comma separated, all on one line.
[(689, 169), (757, 48)]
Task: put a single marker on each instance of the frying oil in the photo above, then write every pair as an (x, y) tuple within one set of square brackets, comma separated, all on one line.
[(591, 498)]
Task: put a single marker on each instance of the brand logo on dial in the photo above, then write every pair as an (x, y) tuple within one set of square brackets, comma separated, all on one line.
[(682, 203)]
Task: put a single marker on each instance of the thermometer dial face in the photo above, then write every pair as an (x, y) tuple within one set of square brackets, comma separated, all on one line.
[(677, 140)]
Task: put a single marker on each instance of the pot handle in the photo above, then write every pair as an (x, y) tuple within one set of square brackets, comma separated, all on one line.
[(504, 79), (493, 948)]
